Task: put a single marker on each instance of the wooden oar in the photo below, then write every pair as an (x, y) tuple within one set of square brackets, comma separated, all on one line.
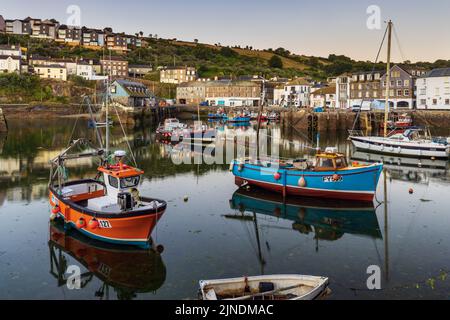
[(268, 293)]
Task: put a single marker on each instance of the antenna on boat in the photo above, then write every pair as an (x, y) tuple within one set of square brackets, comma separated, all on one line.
[(108, 96), (388, 78)]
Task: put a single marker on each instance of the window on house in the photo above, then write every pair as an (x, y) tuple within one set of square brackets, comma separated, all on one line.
[(447, 101), (399, 83), (434, 101), (399, 93), (406, 83), (406, 93), (423, 102)]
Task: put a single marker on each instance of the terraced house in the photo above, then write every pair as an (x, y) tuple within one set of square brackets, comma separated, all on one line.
[(69, 34), (365, 88), (402, 93), (177, 75)]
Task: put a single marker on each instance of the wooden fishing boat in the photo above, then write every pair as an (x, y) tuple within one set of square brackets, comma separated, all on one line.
[(166, 130), (242, 117), (195, 134), (108, 207), (270, 287), (328, 176)]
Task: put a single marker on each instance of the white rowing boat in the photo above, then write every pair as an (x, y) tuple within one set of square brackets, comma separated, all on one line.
[(271, 287)]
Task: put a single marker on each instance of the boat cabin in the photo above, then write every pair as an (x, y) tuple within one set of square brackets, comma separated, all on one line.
[(172, 124), (330, 160)]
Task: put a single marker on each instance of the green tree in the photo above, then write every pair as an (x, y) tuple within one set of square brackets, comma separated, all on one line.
[(276, 62)]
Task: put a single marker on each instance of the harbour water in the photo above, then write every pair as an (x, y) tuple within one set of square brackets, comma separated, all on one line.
[(210, 231)]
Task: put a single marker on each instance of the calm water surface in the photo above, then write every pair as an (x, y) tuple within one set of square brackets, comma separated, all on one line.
[(219, 233)]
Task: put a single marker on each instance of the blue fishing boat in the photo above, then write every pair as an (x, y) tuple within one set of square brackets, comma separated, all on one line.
[(217, 116), (329, 176), (239, 119)]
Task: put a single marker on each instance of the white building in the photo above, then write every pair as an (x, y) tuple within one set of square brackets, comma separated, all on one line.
[(325, 97), (296, 94), (433, 90), (343, 91), (87, 71), (278, 94), (9, 64)]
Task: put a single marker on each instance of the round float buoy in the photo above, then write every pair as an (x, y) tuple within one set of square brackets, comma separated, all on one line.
[(55, 209), (411, 190), (336, 177), (160, 248), (81, 223), (93, 224), (277, 176), (186, 198), (302, 182)]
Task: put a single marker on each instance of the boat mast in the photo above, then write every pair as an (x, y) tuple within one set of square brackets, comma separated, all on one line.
[(388, 78), (261, 107), (108, 92)]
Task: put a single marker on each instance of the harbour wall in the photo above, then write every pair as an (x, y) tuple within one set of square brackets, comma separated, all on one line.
[(3, 123)]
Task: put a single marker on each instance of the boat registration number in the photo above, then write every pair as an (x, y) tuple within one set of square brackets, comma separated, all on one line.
[(331, 179), (104, 224)]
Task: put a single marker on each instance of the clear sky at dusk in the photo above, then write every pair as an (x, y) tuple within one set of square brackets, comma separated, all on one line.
[(304, 27)]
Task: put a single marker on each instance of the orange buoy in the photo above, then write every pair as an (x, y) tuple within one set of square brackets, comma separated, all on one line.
[(55, 209), (93, 224), (277, 176), (81, 223), (302, 182)]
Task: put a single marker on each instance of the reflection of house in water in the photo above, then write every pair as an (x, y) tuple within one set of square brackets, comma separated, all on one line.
[(26, 180), (128, 271)]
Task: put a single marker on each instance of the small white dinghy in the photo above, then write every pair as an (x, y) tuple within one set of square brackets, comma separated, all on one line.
[(274, 287)]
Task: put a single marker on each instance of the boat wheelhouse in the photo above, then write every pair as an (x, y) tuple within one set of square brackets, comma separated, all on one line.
[(328, 175)]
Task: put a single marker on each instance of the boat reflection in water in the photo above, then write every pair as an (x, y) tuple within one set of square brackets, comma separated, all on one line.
[(407, 169), (128, 270), (329, 220)]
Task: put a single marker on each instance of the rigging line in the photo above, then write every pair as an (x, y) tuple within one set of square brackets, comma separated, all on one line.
[(125, 136), (399, 44), (373, 70), (75, 125)]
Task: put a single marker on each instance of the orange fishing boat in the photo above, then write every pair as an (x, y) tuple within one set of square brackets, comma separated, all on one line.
[(108, 207)]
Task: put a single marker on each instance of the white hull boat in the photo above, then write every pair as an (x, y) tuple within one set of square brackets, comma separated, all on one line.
[(270, 287), (408, 144)]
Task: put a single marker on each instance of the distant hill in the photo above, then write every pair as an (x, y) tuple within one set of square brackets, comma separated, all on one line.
[(216, 60)]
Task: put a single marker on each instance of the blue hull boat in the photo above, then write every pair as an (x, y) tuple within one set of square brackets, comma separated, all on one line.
[(239, 119), (329, 177)]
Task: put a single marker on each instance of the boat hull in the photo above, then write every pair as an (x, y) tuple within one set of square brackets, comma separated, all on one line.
[(352, 184), (399, 149), (124, 229), (317, 285)]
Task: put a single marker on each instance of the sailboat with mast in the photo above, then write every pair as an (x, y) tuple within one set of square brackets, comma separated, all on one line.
[(108, 207), (414, 142)]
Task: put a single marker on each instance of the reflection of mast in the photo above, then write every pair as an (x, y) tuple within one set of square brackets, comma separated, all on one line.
[(258, 242), (386, 229)]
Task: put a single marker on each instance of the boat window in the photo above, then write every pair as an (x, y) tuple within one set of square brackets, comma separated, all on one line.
[(325, 163), (113, 182), (341, 163), (130, 182)]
